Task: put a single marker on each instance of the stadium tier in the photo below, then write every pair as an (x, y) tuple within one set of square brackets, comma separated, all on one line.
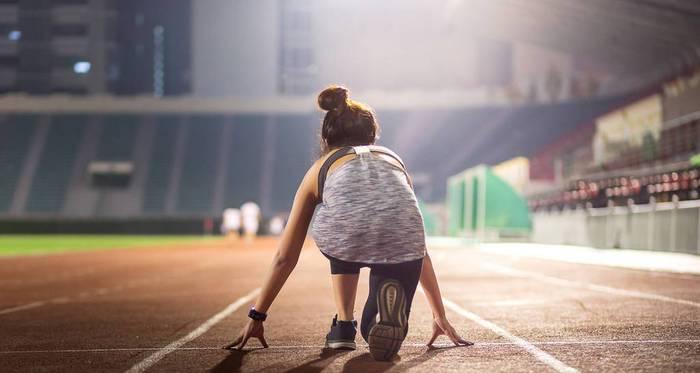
[(199, 164), (244, 160), (623, 190), (55, 169), (160, 163), (131, 165), (16, 133)]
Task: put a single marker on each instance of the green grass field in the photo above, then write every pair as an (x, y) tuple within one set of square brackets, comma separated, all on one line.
[(49, 244)]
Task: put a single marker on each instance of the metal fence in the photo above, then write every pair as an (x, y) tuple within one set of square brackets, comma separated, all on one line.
[(670, 226)]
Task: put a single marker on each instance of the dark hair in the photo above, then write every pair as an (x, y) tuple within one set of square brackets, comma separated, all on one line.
[(347, 122)]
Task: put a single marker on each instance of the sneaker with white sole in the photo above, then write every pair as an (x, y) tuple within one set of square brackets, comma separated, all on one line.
[(387, 334)]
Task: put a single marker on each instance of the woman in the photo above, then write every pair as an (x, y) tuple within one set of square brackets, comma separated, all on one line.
[(368, 217)]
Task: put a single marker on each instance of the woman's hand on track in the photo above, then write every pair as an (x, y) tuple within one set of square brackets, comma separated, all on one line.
[(253, 329), (442, 327)]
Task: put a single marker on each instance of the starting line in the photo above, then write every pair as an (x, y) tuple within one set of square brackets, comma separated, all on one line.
[(528, 346), (320, 346), (162, 352)]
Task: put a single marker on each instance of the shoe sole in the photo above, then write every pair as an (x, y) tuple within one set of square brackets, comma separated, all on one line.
[(386, 336), (341, 345)]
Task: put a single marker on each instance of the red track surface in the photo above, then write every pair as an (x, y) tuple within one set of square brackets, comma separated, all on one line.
[(113, 310)]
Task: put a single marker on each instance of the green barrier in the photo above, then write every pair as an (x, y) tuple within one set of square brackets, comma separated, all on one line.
[(479, 202), (431, 222)]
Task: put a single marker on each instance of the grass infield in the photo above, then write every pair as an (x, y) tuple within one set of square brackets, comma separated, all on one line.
[(12, 245)]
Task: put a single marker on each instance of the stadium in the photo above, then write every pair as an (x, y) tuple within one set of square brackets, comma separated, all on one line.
[(150, 154)]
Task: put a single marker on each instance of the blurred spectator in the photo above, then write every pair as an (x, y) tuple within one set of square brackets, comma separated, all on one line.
[(621, 190), (250, 212)]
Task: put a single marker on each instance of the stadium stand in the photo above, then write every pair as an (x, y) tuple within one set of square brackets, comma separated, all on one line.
[(622, 190), (467, 136), (160, 165), (191, 165), (53, 173), (295, 146), (196, 184), (244, 161), (15, 137), (117, 138)]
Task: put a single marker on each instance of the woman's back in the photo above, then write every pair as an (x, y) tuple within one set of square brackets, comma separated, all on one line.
[(369, 213)]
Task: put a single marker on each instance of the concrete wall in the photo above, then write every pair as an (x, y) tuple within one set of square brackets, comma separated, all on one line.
[(661, 227)]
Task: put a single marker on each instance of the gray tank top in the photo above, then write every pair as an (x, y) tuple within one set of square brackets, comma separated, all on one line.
[(369, 213)]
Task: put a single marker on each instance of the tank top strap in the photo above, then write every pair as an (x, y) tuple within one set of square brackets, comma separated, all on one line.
[(323, 172), (361, 151)]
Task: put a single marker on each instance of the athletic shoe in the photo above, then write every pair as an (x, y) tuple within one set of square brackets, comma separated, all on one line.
[(342, 335), (388, 333)]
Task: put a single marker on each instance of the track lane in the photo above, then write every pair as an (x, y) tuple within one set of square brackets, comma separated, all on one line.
[(118, 320), (587, 330), (561, 314)]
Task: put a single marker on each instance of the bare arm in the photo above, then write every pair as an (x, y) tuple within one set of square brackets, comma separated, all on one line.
[(429, 283), (286, 257), (290, 245)]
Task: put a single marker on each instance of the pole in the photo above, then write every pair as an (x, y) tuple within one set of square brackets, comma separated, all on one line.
[(698, 232), (650, 227), (608, 218), (674, 217)]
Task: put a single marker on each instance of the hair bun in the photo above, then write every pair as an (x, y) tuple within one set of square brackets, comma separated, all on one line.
[(333, 98)]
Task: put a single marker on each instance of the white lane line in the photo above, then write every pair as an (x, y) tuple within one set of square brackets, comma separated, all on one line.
[(577, 284), (22, 307), (540, 355), (301, 347), (160, 354)]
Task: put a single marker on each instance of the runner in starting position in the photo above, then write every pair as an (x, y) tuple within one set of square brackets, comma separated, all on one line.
[(368, 217)]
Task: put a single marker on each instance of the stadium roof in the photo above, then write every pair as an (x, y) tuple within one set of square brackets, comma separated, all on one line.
[(638, 40)]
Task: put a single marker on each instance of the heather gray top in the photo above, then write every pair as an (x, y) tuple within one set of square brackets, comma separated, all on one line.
[(369, 214)]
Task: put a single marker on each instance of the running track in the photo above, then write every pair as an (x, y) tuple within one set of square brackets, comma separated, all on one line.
[(171, 309)]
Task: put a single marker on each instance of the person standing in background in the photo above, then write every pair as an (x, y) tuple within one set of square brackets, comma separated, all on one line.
[(231, 225), (250, 212)]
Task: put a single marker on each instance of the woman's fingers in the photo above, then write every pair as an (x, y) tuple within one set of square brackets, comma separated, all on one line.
[(453, 339), (263, 341), (465, 342), (436, 333), (234, 343), (245, 340)]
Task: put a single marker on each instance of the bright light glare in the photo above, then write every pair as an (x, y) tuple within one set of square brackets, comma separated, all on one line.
[(82, 67), (14, 35)]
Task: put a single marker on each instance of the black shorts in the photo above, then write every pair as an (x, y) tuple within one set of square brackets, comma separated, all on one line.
[(342, 267)]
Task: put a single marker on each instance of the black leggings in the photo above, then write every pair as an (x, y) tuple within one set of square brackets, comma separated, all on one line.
[(406, 273)]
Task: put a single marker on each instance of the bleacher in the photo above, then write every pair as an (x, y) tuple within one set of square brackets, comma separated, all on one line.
[(162, 154), (622, 190), (296, 147), (53, 173), (450, 141), (656, 171), (117, 138), (265, 155), (16, 133), (674, 144), (199, 166), (245, 159)]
